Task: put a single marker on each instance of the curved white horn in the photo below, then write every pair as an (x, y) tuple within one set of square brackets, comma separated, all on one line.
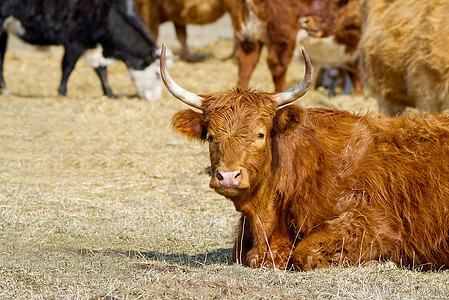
[(177, 91), (298, 91)]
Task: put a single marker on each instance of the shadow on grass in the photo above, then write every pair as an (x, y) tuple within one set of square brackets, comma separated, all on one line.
[(199, 57), (202, 57), (221, 256)]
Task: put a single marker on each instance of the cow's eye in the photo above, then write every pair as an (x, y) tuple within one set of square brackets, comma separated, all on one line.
[(209, 138), (260, 136)]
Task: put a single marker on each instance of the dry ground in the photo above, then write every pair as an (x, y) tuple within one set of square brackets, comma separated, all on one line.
[(99, 197)]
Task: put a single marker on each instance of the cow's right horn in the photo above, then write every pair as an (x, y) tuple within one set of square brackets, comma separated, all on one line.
[(185, 96), (298, 91)]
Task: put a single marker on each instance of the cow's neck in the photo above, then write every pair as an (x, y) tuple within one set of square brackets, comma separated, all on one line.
[(298, 181), (262, 208), (256, 201), (308, 166), (301, 174)]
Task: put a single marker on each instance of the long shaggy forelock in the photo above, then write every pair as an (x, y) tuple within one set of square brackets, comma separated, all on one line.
[(220, 110), (238, 97)]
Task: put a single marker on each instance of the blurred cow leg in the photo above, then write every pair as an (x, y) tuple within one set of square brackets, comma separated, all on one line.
[(3, 42), (102, 74), (356, 78), (348, 84), (243, 242), (71, 55), (279, 57), (247, 54), (332, 76), (181, 33)]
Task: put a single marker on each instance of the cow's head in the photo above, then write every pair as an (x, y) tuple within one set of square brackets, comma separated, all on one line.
[(128, 40), (328, 17), (240, 126)]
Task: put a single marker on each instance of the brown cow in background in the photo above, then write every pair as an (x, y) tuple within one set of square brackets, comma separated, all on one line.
[(404, 53), (181, 13), (319, 186), (270, 22), (331, 31)]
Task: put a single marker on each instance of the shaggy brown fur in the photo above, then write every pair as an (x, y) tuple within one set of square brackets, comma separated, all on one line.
[(270, 22), (181, 13), (405, 61), (323, 187)]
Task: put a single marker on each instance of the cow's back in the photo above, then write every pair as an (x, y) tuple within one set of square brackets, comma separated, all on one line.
[(54, 22), (405, 178), (393, 173)]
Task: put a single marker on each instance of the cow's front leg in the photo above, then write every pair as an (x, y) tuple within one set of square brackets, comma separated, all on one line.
[(270, 257), (247, 54), (262, 241), (3, 43), (279, 57), (243, 243), (271, 249), (247, 251), (71, 55), (318, 249), (340, 242), (103, 75)]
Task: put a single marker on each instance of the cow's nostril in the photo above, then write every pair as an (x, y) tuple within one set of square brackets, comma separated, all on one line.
[(238, 174), (219, 176)]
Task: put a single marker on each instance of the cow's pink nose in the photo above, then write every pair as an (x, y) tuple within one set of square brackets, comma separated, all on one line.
[(229, 178)]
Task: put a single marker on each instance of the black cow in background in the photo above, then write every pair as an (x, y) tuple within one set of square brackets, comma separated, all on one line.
[(80, 25)]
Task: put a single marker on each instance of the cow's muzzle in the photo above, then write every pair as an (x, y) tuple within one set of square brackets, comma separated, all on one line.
[(229, 178)]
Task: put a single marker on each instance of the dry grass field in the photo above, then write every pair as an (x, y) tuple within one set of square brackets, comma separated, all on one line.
[(99, 197)]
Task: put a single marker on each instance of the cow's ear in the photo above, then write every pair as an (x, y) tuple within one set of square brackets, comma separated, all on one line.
[(189, 123), (287, 119)]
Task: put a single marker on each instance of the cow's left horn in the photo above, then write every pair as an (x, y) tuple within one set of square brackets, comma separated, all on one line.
[(298, 91), (177, 91)]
